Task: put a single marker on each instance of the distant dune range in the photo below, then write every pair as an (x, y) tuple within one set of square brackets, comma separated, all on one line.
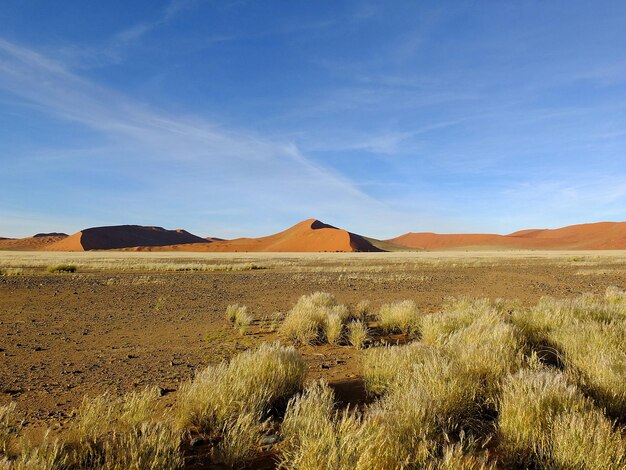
[(597, 236), (314, 236)]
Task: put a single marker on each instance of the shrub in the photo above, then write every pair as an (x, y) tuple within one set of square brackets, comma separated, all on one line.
[(252, 382), (400, 316), (62, 268), (357, 333), (587, 440), (530, 401)]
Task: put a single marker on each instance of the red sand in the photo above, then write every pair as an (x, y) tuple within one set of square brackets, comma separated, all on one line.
[(310, 235), (38, 242), (597, 236), (314, 236), (123, 236)]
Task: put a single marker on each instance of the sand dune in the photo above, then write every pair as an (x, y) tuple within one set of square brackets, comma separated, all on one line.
[(310, 235), (596, 236), (123, 236), (314, 236), (38, 242)]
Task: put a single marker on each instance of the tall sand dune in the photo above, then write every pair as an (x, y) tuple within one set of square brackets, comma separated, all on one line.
[(123, 236), (310, 235)]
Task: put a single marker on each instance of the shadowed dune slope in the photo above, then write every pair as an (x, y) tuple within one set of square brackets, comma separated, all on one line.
[(123, 236), (310, 235), (596, 236), (41, 241)]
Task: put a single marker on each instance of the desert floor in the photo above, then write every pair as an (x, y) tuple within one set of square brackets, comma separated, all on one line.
[(124, 321)]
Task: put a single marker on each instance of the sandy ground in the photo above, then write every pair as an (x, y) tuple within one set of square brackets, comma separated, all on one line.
[(122, 322)]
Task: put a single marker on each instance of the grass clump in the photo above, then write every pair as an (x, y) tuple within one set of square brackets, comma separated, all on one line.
[(12, 271), (252, 382), (10, 425), (400, 316), (361, 310), (62, 268), (530, 401), (584, 335), (316, 318), (587, 440), (358, 333), (333, 327), (305, 321), (238, 315), (384, 365)]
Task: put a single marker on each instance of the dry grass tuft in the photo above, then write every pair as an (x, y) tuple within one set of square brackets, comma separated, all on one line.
[(62, 268), (305, 321), (384, 365), (530, 401), (587, 440), (252, 382), (358, 333), (361, 310), (400, 316)]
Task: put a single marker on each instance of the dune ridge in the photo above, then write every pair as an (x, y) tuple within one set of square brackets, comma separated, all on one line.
[(123, 236), (37, 242), (594, 236), (310, 235)]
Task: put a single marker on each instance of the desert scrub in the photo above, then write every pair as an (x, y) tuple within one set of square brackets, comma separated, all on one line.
[(315, 318), (62, 268), (433, 399), (361, 310), (530, 401), (10, 425), (110, 434), (587, 440), (383, 366), (400, 316), (252, 382), (316, 436), (333, 327), (11, 272), (357, 333), (240, 437), (239, 316), (457, 314), (595, 356)]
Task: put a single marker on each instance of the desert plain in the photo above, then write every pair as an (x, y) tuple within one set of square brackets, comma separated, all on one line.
[(124, 321)]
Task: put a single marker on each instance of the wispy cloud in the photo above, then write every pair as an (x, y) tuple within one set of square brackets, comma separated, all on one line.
[(226, 165)]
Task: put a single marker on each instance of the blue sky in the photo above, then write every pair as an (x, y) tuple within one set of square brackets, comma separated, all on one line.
[(241, 118)]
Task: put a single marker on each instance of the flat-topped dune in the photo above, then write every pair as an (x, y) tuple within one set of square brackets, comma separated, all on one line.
[(123, 236), (596, 236), (310, 235), (37, 242)]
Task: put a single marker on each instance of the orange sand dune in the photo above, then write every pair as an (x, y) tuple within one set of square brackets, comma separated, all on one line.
[(310, 235), (596, 236), (38, 242), (123, 236)]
